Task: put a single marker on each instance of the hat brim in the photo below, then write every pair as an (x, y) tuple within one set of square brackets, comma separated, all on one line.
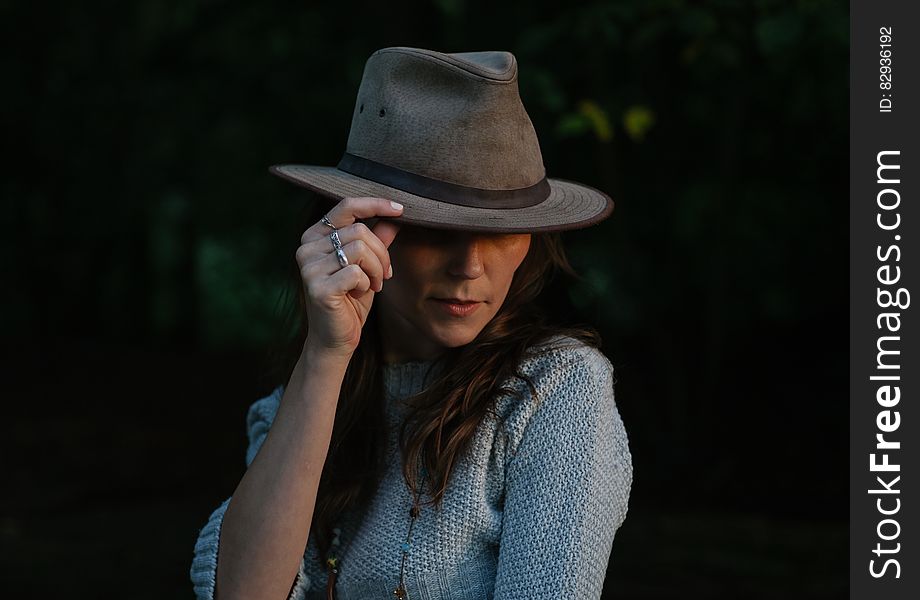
[(570, 205)]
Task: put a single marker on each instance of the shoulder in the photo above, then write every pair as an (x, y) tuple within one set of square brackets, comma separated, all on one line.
[(563, 364), (564, 377), (570, 413)]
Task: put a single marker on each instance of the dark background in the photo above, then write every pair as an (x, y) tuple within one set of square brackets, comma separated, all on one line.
[(146, 247)]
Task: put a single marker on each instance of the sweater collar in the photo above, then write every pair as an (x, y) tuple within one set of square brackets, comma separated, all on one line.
[(402, 380)]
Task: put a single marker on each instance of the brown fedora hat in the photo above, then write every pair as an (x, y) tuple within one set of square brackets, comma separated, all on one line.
[(447, 136)]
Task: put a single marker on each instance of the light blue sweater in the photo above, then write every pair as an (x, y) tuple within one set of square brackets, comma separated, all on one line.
[(530, 512)]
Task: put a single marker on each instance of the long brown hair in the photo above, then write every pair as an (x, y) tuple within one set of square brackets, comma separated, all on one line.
[(444, 416)]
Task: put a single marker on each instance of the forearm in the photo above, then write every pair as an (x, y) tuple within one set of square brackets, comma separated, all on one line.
[(267, 523)]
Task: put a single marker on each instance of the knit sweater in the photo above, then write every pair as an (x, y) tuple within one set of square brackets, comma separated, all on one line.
[(530, 511)]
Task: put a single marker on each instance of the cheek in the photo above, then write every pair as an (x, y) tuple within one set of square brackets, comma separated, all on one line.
[(411, 271), (515, 257), (505, 266), (522, 250)]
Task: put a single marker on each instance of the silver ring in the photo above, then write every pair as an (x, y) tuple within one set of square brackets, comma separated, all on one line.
[(336, 242), (340, 254), (326, 221)]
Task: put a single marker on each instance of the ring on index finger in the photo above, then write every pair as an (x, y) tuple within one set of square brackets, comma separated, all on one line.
[(326, 221)]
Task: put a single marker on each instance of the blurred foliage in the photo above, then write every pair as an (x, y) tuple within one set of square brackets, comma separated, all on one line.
[(637, 120), (588, 117), (138, 208)]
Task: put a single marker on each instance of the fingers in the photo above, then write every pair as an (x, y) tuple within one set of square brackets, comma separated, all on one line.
[(356, 240), (362, 254), (347, 211), (365, 248), (351, 280), (360, 231), (351, 209), (359, 253), (386, 232)]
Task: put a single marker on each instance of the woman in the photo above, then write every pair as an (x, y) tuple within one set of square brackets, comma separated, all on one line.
[(436, 438)]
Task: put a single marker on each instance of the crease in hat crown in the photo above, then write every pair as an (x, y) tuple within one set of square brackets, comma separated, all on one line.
[(496, 65)]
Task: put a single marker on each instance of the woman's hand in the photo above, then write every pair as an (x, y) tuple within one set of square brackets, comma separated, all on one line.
[(339, 298)]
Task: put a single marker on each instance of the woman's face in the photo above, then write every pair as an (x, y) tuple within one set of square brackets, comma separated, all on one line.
[(432, 266)]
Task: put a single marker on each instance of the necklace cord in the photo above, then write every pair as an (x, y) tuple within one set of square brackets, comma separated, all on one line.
[(333, 563)]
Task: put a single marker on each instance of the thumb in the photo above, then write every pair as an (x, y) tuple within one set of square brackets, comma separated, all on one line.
[(386, 230)]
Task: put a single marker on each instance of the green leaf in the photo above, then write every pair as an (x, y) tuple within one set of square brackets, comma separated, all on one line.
[(572, 124), (637, 120), (597, 117)]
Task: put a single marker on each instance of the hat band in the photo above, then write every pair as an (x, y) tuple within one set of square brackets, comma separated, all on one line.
[(443, 191)]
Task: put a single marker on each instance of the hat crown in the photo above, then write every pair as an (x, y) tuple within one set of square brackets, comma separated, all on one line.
[(456, 118)]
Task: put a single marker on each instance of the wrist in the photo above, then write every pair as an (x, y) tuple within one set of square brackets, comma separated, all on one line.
[(322, 357)]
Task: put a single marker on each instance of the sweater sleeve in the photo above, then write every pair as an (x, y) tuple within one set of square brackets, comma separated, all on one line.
[(567, 485), (203, 572)]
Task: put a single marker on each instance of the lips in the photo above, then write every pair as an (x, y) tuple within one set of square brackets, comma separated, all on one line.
[(457, 307)]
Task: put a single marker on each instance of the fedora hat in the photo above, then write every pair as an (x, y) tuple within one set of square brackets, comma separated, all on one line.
[(447, 136)]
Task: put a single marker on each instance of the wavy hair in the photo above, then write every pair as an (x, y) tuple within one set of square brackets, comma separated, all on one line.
[(445, 415)]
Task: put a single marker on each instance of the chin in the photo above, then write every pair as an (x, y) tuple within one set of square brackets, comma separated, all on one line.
[(454, 337)]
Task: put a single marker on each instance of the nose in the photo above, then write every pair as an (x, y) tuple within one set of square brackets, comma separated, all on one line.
[(466, 258)]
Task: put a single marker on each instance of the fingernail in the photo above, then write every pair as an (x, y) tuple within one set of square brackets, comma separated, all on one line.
[(390, 272), (396, 205)]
